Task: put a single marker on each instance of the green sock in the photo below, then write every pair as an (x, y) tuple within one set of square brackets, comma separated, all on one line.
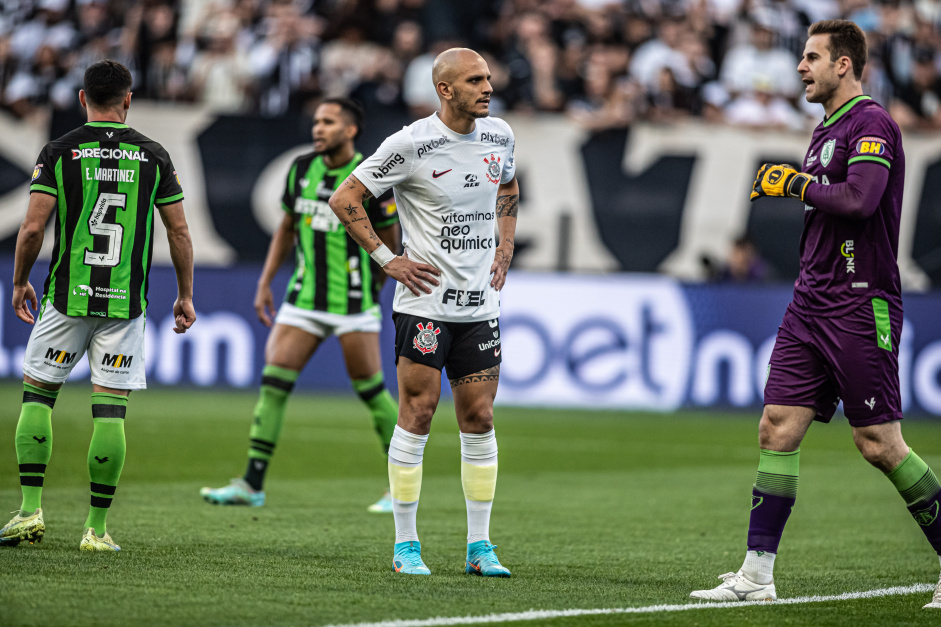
[(105, 455), (34, 443), (276, 386), (382, 407)]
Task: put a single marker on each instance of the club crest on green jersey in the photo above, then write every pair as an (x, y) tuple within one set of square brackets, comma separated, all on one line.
[(827, 153)]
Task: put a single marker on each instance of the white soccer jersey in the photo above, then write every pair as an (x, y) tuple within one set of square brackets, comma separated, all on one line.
[(446, 192)]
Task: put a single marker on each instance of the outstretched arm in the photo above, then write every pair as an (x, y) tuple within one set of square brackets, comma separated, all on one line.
[(181, 254), (508, 200), (28, 243), (347, 204)]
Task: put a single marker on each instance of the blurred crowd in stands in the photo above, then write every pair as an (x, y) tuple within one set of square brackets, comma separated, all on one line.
[(604, 63)]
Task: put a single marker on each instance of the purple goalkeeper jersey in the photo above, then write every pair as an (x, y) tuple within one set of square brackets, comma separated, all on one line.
[(849, 250)]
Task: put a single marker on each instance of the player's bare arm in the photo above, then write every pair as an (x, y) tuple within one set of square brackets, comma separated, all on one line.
[(508, 201), (181, 254), (28, 243), (281, 243), (347, 204)]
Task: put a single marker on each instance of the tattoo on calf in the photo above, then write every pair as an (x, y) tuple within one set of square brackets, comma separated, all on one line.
[(508, 206), (490, 374)]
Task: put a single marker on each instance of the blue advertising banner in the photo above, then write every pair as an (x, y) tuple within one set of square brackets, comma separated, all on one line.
[(606, 341)]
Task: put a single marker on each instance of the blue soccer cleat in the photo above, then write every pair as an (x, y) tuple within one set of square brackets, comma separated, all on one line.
[(238, 492), (407, 559), (482, 561), (383, 505)]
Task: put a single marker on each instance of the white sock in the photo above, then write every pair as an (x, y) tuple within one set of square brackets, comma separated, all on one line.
[(479, 477), (478, 520), (405, 521), (405, 452), (759, 566)]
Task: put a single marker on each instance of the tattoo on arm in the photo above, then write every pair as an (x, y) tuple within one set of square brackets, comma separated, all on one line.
[(508, 206), (490, 374), (351, 209), (367, 195)]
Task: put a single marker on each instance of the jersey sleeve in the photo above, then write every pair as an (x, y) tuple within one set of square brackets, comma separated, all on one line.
[(390, 165), (290, 193), (44, 175), (874, 139), (509, 170), (382, 211), (169, 190)]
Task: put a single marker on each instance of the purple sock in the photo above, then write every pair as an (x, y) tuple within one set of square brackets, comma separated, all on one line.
[(927, 514), (769, 514)]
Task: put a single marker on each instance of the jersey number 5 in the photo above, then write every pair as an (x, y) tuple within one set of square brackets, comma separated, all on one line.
[(114, 232)]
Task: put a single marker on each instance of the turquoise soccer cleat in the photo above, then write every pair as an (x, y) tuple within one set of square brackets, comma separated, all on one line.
[(407, 559), (383, 505), (238, 492), (482, 561), (30, 528)]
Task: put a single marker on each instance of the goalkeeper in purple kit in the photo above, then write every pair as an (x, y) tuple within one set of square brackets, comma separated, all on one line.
[(839, 339)]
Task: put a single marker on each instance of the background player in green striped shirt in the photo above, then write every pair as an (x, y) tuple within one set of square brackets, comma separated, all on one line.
[(101, 181), (334, 290)]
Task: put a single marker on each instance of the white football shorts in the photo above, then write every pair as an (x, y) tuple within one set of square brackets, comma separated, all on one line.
[(115, 349), (323, 324)]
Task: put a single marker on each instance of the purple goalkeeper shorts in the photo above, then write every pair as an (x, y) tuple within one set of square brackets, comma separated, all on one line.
[(817, 361)]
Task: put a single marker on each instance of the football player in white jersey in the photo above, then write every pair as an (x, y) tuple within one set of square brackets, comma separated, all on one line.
[(455, 186)]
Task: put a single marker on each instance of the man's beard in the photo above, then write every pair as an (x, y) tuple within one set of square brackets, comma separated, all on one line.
[(330, 149), (467, 107)]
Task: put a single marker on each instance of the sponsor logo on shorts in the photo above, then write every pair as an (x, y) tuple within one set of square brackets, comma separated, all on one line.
[(827, 153), (60, 356), (871, 403), (393, 160), (426, 340), (37, 171), (485, 346), (493, 169), (925, 517), (871, 146), (846, 249), (117, 361), (463, 298)]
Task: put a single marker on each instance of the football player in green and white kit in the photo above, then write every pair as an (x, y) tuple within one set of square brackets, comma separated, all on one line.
[(101, 181), (334, 290)]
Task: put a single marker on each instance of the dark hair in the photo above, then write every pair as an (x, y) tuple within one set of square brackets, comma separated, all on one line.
[(106, 84), (846, 40), (352, 110)]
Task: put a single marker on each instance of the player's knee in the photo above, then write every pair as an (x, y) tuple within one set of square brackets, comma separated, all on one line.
[(477, 418), (875, 451)]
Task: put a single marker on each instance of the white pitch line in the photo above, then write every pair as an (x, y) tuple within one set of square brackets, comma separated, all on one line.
[(650, 609)]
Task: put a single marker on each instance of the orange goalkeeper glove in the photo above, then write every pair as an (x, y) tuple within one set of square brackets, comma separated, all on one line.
[(780, 180)]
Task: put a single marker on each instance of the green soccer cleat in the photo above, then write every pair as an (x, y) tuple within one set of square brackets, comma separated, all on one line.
[(238, 492), (91, 542), (407, 559), (383, 505), (30, 528), (482, 561)]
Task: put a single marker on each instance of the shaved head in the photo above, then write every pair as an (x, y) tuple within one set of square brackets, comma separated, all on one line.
[(451, 63), (462, 81)]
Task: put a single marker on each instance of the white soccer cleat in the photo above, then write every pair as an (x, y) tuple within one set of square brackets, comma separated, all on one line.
[(936, 599), (91, 542), (737, 587)]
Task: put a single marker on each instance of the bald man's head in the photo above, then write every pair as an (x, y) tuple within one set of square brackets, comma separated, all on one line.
[(462, 80)]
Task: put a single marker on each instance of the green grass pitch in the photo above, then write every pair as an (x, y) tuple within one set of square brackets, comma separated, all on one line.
[(593, 510)]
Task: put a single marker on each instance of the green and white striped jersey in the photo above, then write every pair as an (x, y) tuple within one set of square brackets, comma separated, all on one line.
[(106, 178), (332, 272)]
